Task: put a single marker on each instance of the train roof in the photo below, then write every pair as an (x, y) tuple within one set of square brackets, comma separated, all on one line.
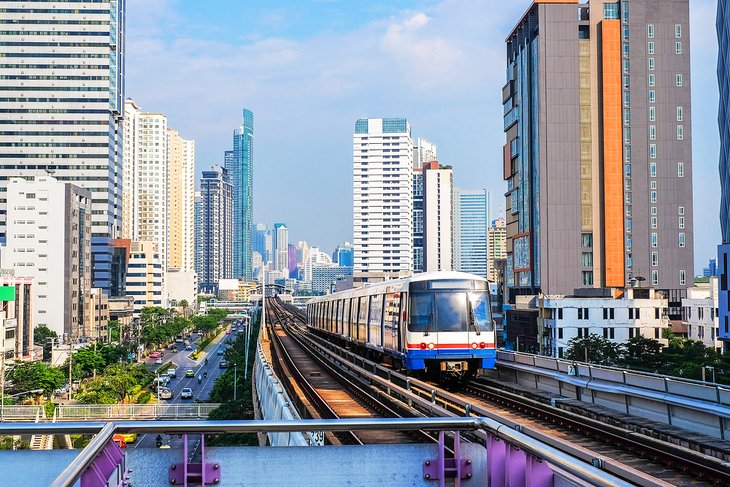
[(399, 285)]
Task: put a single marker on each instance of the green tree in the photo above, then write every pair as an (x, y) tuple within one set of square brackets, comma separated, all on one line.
[(28, 376), (87, 360), (184, 304), (40, 337), (642, 353), (594, 348), (114, 330)]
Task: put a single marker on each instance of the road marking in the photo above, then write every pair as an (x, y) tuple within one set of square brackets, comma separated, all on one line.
[(139, 440)]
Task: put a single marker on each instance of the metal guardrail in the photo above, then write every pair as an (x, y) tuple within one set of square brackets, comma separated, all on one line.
[(112, 412), (22, 413), (104, 433)]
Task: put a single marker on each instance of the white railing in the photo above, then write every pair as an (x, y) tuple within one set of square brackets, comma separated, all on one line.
[(22, 413), (95, 412)]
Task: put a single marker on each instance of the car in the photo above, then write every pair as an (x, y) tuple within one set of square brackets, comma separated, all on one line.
[(188, 347), (172, 373), (186, 393), (189, 373), (164, 393), (220, 351), (119, 441), (158, 361), (127, 437), (179, 339), (155, 355), (223, 364)]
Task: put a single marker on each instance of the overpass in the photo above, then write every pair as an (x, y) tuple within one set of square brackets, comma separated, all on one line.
[(108, 412)]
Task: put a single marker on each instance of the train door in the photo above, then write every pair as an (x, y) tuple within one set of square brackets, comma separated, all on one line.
[(375, 321), (354, 314), (391, 319), (346, 319), (362, 319)]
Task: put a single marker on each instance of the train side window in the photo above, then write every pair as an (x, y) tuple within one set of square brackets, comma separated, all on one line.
[(362, 318), (421, 312)]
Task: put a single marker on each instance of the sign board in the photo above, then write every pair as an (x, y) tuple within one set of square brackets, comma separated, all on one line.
[(7, 293)]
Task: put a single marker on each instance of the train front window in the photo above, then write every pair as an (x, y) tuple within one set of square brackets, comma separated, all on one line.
[(421, 312), (451, 311), (480, 312)]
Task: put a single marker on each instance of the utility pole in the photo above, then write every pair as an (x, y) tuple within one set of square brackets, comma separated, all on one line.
[(70, 368), (235, 388)]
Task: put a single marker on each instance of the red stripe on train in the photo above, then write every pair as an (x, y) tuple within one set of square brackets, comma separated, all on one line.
[(447, 345)]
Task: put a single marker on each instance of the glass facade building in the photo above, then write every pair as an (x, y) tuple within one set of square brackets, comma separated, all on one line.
[(240, 168), (470, 233), (723, 252)]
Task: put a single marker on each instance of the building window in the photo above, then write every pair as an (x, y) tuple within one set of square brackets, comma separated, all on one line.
[(627, 98), (650, 47), (682, 278), (610, 11), (678, 31), (587, 278), (680, 132), (652, 96), (652, 132), (560, 313), (587, 259), (627, 135), (678, 48), (655, 259), (680, 114), (652, 151), (681, 223), (653, 185), (653, 196), (655, 278), (654, 240), (680, 169), (678, 80), (680, 210), (587, 240), (651, 64), (560, 333), (652, 79), (629, 224), (627, 116), (652, 114), (652, 168), (654, 222), (650, 31), (682, 241), (626, 65)]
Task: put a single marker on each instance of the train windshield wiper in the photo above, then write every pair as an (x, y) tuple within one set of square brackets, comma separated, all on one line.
[(472, 318), (428, 326)]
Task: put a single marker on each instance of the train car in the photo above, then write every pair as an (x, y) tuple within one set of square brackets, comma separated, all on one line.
[(438, 322)]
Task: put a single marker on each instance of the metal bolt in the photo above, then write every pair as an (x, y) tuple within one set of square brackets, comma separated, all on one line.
[(427, 462), (468, 462), (216, 466), (173, 481), (427, 477), (468, 475), (173, 467), (216, 480)]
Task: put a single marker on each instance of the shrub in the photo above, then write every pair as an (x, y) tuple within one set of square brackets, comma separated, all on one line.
[(144, 398)]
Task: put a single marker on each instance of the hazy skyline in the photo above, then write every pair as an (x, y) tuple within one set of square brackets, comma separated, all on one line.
[(308, 70)]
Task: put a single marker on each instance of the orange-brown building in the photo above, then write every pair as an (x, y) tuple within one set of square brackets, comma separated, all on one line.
[(598, 148)]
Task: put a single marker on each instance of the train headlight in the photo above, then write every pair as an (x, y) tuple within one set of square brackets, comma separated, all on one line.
[(474, 345), (431, 346), (482, 345), (423, 346)]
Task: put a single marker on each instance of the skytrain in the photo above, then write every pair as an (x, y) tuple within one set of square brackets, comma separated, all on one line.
[(437, 322)]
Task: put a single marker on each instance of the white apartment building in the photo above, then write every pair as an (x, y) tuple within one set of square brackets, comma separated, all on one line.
[(424, 151), (63, 96), (701, 313), (638, 312), (496, 247), (144, 275), (438, 217), (49, 229), (16, 316), (181, 202), (315, 258), (280, 237), (383, 200)]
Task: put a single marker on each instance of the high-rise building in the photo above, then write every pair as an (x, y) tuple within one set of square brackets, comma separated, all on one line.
[(216, 229), (438, 217), (263, 242), (144, 276), (418, 222), (496, 248), (383, 200), (49, 239), (471, 219), (281, 247), (240, 168), (64, 86), (424, 151), (197, 209), (344, 255), (16, 318), (723, 250), (181, 186), (147, 174), (598, 158), (292, 256)]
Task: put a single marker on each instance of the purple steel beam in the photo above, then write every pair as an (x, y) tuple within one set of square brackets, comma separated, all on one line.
[(194, 472), (457, 468), (104, 465), (507, 465)]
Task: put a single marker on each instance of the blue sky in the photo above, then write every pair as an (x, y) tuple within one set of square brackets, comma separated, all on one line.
[(309, 69)]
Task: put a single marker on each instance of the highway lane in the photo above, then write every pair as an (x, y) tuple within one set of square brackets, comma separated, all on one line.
[(201, 391)]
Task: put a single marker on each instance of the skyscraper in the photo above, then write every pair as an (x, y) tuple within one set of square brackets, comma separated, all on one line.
[(263, 243), (496, 248), (723, 78), (438, 217), (181, 236), (418, 222), (471, 219), (344, 255), (216, 232), (424, 151), (240, 168), (383, 200), (61, 118), (198, 211), (281, 247), (598, 158)]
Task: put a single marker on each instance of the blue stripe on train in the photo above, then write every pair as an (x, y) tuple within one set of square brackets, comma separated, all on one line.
[(416, 359)]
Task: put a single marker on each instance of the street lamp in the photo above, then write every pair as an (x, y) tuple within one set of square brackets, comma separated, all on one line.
[(235, 389)]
